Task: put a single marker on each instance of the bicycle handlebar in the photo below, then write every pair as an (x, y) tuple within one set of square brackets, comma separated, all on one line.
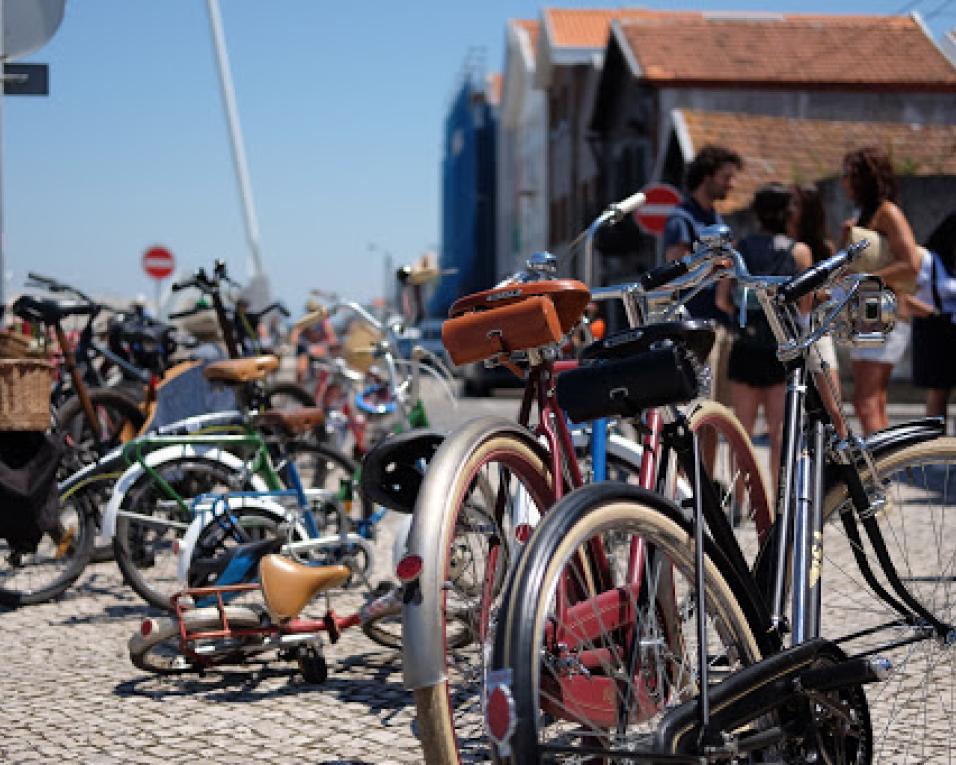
[(819, 274)]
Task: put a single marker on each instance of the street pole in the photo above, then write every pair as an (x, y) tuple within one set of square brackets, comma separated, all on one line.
[(3, 236), (235, 134)]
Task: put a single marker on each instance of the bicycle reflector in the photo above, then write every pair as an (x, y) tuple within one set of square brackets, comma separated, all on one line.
[(409, 568), (147, 627), (500, 716)]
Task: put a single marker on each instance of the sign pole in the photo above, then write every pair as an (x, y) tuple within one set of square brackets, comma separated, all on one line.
[(3, 237)]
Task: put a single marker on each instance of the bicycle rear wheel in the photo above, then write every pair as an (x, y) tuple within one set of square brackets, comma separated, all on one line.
[(914, 710), (118, 418), (592, 670), (59, 559), (159, 650), (485, 488)]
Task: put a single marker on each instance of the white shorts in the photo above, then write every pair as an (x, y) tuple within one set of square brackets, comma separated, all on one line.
[(889, 352), (824, 352)]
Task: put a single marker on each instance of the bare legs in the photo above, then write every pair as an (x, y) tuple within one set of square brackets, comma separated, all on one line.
[(870, 380), (747, 402)]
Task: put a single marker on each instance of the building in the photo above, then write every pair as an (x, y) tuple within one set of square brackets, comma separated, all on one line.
[(790, 92), (522, 196), (467, 257)]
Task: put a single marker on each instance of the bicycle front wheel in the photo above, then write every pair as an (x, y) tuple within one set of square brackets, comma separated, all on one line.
[(599, 628), (486, 488), (913, 711), (118, 418)]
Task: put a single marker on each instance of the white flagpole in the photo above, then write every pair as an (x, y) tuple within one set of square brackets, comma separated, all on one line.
[(235, 133)]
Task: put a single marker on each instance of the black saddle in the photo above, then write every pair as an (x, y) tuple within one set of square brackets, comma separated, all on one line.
[(696, 335), (50, 311), (392, 472)]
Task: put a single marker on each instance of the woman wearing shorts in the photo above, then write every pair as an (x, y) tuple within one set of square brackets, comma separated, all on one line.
[(869, 182)]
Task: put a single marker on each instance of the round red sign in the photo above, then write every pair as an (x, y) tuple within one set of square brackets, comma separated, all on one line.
[(158, 262), (652, 215)]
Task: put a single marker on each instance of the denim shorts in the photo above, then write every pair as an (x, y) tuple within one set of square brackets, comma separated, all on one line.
[(891, 351)]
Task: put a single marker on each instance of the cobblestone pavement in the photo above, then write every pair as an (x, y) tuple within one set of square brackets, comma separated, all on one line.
[(71, 694)]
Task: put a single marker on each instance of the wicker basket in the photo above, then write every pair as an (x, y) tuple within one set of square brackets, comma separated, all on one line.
[(25, 394), (13, 345)]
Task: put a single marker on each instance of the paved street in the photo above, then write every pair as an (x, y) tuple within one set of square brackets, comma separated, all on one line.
[(71, 693)]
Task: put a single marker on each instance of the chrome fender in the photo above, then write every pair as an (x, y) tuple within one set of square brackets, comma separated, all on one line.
[(423, 641), (207, 511), (125, 481)]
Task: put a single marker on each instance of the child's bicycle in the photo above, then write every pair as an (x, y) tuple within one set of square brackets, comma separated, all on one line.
[(199, 638)]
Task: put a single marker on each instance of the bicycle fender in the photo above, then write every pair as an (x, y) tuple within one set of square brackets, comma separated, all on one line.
[(133, 473), (423, 639), (905, 434), (206, 513)]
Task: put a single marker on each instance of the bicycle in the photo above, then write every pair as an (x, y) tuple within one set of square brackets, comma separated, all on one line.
[(525, 319), (196, 639), (593, 658)]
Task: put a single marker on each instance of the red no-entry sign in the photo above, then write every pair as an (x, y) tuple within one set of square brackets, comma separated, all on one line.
[(652, 215), (158, 262)]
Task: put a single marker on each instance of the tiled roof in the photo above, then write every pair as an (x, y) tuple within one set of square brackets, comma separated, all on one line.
[(796, 150), (775, 49), (531, 27), (588, 28), (495, 81)]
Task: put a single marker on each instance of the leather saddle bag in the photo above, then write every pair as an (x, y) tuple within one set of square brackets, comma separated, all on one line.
[(480, 335), (625, 387)]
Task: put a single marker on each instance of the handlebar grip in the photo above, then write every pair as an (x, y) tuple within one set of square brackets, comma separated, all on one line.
[(177, 286), (819, 274), (663, 274), (629, 205)]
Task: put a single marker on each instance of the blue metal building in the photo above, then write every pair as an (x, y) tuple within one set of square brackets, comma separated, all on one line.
[(468, 195)]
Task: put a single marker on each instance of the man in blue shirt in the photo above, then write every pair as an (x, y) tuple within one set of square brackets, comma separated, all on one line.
[(709, 177)]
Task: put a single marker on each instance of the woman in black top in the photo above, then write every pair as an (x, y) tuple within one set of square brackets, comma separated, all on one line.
[(757, 377)]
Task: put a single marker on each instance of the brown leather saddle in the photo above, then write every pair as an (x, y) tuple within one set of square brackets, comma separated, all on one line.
[(288, 586), (515, 317), (292, 421), (237, 371)]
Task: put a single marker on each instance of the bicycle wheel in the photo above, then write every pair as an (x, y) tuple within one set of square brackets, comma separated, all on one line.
[(59, 559), (486, 489), (594, 670), (335, 475), (159, 650), (737, 474), (914, 710), (118, 418), (150, 523)]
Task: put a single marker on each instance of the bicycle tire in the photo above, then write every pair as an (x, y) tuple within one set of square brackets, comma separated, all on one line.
[(324, 467), (738, 474), (144, 550), (119, 415), (159, 651), (566, 534), (59, 560), (912, 710), (516, 474)]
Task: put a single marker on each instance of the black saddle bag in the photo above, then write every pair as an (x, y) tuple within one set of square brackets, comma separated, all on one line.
[(29, 502), (625, 387)]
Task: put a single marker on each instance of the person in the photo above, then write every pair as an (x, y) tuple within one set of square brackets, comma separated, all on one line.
[(316, 341), (758, 378), (710, 177), (934, 311), (807, 223), (869, 182)]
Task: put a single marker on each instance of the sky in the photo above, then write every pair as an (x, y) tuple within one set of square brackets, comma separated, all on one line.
[(341, 106)]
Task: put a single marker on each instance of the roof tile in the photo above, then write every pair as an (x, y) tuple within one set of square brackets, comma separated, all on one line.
[(589, 28), (796, 50), (798, 150)]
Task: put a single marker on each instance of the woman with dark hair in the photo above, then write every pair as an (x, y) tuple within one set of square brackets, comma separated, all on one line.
[(934, 311), (807, 223), (757, 377), (869, 182)]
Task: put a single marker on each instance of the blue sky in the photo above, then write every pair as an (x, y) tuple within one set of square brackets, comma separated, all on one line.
[(341, 105)]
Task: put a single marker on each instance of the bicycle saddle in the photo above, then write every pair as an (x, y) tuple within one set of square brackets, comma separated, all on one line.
[(392, 471), (241, 370), (695, 335), (50, 311), (569, 296), (288, 586)]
